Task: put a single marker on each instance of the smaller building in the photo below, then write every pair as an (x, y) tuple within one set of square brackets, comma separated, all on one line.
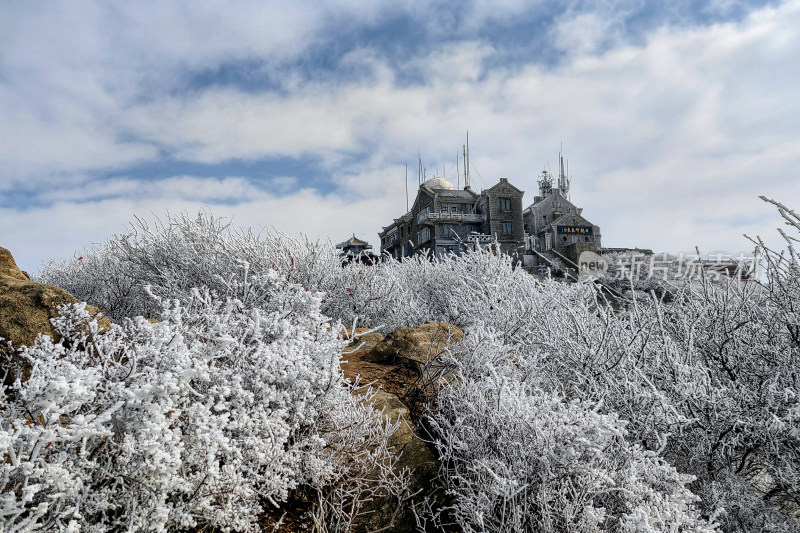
[(557, 226), (354, 249)]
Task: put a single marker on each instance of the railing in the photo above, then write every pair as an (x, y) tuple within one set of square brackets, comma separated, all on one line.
[(479, 238), (451, 217)]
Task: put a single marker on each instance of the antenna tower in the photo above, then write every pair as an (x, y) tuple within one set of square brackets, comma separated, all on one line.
[(563, 178)]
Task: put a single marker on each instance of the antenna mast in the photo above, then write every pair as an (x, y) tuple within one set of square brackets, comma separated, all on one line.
[(464, 148), (458, 172), (563, 179), (466, 164), (406, 186)]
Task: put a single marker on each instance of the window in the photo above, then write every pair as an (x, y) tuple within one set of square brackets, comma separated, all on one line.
[(419, 238), (447, 231), (506, 228), (464, 209), (505, 204), (419, 218), (445, 208), (427, 234), (574, 238), (454, 208), (544, 219)]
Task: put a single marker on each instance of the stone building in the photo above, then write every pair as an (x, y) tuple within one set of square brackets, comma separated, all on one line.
[(554, 225), (444, 219)]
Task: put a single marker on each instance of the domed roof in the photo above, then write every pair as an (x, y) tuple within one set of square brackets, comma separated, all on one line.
[(439, 183)]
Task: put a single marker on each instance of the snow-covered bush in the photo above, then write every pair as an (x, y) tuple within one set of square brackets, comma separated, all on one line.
[(706, 382), (517, 458), (178, 255), (182, 253), (205, 418)]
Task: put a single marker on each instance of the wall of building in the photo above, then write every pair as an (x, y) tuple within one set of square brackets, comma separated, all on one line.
[(491, 204)]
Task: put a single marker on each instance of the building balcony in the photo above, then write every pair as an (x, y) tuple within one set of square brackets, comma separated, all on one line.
[(479, 238), (463, 218)]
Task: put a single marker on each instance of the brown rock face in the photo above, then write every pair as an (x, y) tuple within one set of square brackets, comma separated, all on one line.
[(399, 363), (9, 268), (27, 307), (415, 347), (415, 456)]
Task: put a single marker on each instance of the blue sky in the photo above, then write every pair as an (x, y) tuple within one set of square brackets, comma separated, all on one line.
[(301, 116)]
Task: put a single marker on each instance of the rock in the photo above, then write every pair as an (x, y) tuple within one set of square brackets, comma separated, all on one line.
[(415, 347), (364, 343), (9, 268), (415, 455), (26, 307)]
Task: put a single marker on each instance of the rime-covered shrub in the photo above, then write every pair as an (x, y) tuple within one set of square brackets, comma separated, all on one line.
[(205, 418), (706, 381), (175, 256), (517, 458)]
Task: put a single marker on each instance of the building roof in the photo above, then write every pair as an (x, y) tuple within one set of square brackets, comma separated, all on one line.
[(556, 195), (354, 242), (502, 184), (456, 194)]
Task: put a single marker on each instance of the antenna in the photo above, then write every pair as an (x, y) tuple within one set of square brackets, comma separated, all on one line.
[(464, 147), (419, 168), (563, 179), (458, 172), (406, 186), (467, 163)]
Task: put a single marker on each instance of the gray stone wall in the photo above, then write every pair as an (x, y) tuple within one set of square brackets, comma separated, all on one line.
[(496, 216)]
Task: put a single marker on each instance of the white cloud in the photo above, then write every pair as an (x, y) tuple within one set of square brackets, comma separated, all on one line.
[(63, 228), (670, 142)]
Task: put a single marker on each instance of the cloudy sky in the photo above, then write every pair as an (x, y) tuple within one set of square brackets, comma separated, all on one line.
[(301, 115)]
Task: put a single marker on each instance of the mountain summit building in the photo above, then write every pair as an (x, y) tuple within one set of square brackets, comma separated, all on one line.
[(445, 220)]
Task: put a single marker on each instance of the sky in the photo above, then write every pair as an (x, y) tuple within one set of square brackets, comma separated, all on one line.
[(301, 116)]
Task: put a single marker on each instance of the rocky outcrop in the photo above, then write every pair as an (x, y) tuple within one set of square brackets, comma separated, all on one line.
[(9, 268), (400, 365), (416, 347), (26, 307), (414, 455)]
